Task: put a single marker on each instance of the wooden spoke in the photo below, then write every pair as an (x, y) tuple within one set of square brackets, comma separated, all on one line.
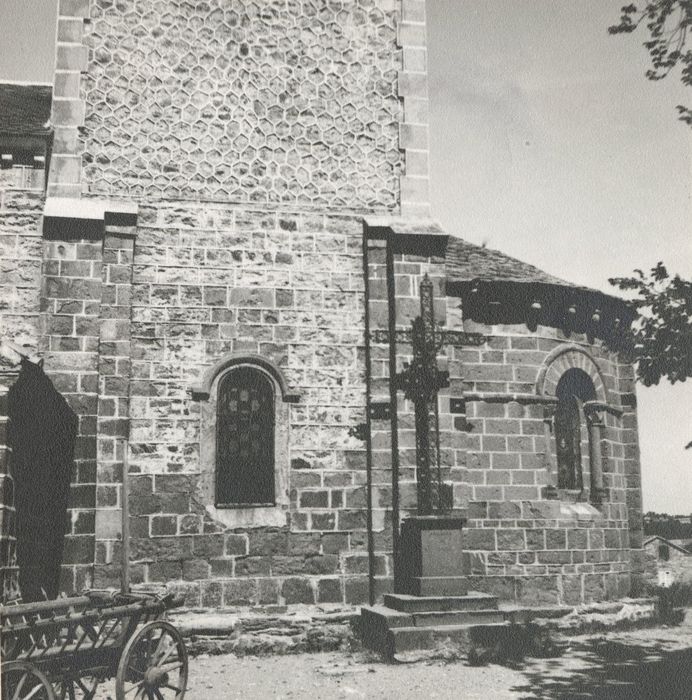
[(23, 681), (73, 687), (161, 640), (135, 671), (33, 693), (18, 689), (171, 664), (162, 653), (153, 664)]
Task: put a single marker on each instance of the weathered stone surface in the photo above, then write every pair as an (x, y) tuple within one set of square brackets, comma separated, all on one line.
[(161, 549), (329, 591), (538, 590), (212, 594), (510, 539), (555, 539), (479, 538), (345, 153), (304, 629), (252, 566), (357, 590), (594, 587), (240, 592), (164, 571), (195, 569), (297, 590)]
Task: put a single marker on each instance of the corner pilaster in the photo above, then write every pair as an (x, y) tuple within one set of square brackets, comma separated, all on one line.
[(413, 92), (68, 106), (85, 304)]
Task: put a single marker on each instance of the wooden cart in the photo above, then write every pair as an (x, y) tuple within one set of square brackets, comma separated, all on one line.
[(64, 648)]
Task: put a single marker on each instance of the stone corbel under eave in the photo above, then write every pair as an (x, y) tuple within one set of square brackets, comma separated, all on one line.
[(76, 218)]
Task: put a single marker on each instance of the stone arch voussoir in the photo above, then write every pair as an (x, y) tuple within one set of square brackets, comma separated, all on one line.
[(566, 357), (204, 387)]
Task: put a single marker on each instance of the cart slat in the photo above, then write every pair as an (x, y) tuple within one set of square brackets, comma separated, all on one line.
[(83, 636)]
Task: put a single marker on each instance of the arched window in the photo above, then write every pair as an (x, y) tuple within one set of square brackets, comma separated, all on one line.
[(574, 388), (245, 439)]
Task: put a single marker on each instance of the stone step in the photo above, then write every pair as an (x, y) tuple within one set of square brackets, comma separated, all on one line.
[(457, 617), (381, 627), (438, 586), (382, 617), (401, 639), (376, 623), (413, 604)]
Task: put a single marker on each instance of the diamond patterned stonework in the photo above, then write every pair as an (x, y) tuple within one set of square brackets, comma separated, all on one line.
[(278, 101)]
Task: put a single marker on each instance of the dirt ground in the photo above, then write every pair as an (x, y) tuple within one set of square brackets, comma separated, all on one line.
[(641, 664)]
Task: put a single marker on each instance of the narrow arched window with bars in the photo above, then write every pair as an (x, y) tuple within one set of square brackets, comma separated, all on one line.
[(574, 388), (245, 439)]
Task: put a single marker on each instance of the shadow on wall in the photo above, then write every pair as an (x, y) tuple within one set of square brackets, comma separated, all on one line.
[(42, 435)]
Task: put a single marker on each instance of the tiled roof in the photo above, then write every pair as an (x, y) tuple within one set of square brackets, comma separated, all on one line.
[(25, 109), (467, 262)]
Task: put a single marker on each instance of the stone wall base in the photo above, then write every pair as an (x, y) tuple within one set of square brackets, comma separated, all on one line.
[(555, 588), (275, 630)]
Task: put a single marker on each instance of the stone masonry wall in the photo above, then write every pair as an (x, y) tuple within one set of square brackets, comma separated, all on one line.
[(71, 307), (21, 205), (272, 101), (296, 107), (114, 371), (254, 136), (213, 280), (408, 260), (21, 200), (523, 546), (380, 428)]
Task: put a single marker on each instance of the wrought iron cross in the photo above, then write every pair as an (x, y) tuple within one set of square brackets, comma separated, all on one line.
[(421, 380)]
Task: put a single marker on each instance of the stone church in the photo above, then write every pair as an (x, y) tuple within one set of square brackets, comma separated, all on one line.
[(217, 256)]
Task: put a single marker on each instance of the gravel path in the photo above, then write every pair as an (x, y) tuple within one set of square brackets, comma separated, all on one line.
[(646, 664), (653, 664), (335, 676)]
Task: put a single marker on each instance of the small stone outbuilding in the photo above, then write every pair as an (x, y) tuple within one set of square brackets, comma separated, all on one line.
[(667, 561)]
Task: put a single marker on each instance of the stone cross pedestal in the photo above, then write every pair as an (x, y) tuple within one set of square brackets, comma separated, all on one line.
[(433, 560)]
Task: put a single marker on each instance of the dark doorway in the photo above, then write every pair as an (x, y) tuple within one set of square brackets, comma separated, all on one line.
[(245, 439), (42, 435)]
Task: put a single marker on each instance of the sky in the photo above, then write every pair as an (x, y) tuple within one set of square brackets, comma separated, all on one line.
[(547, 142)]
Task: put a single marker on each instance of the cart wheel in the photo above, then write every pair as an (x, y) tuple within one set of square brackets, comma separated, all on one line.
[(76, 688), (21, 680), (154, 662)]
